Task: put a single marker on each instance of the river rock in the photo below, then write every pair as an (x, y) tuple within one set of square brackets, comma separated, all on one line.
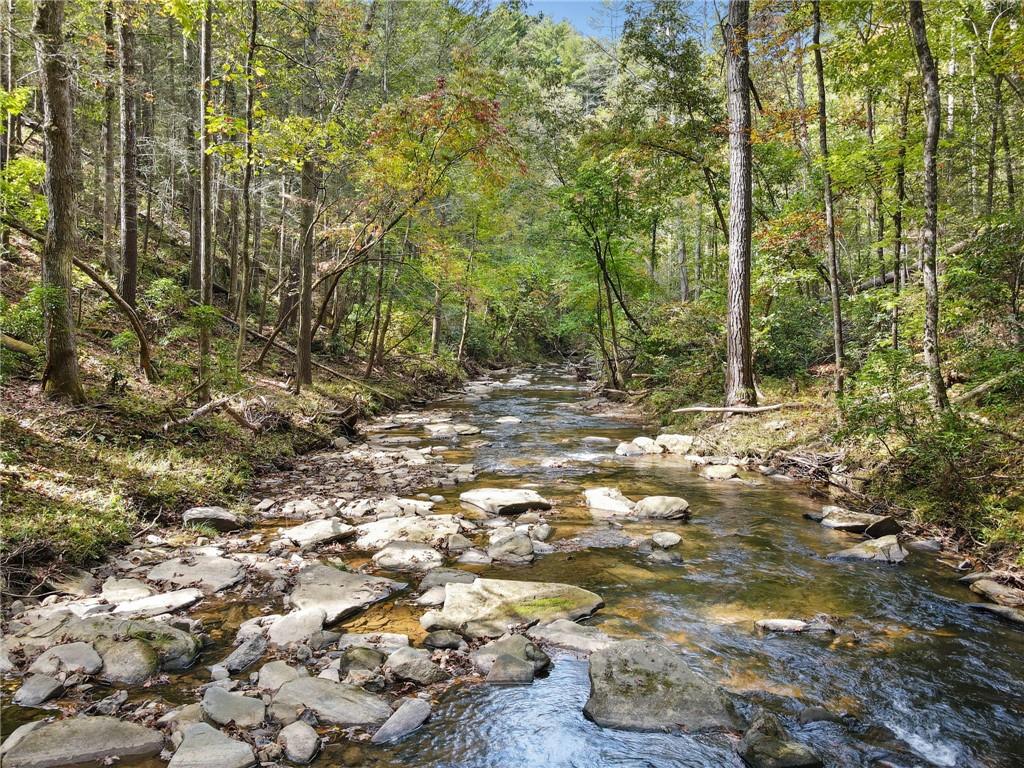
[(317, 532), (647, 445), (432, 597), (507, 420), (385, 642), (406, 719), (414, 664), (128, 662), (662, 508), (408, 556), (999, 593), (608, 500), (209, 573), (666, 539), (510, 670), (644, 686), (509, 547), (225, 708), (505, 501), (217, 518), (246, 654), (332, 703), (276, 673), (1013, 615), (80, 740), (458, 543), (516, 646), (121, 590), (204, 746), (673, 443), (156, 605), (781, 625), (296, 627), (35, 689), (719, 472), (884, 550), (474, 556), (569, 634), (629, 449), (765, 744), (487, 607), (842, 519), (69, 659), (886, 526), (431, 529), (76, 582), (339, 593), (444, 638), (299, 742)]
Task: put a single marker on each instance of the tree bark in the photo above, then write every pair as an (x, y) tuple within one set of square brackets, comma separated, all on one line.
[(247, 263), (129, 282), (304, 342), (897, 216), (206, 212), (739, 378), (930, 77), (684, 272), (109, 174), (61, 375), (830, 221), (1011, 192)]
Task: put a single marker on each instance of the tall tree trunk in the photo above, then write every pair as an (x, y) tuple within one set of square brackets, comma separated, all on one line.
[(206, 212), (61, 376), (8, 128), (109, 174), (371, 357), (652, 261), (435, 323), (129, 157), (830, 221), (684, 271), (190, 54), (464, 331), (739, 376), (877, 204), (930, 76), (897, 217), (1011, 192), (990, 156), (304, 342), (247, 263)]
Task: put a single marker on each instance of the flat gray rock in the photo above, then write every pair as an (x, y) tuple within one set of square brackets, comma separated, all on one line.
[(643, 686), (1013, 615), (488, 607), (129, 661), (36, 689), (155, 605), (428, 529), (69, 659), (317, 532), (248, 652), (332, 703), (608, 501), (406, 719), (339, 593), (276, 673), (516, 646), (80, 740), (719, 472), (299, 741), (296, 627), (569, 634), (842, 519), (210, 573), (217, 518), (504, 501), (414, 664), (408, 556), (226, 708), (999, 593), (884, 550), (662, 508), (122, 590), (510, 670), (203, 746), (385, 642)]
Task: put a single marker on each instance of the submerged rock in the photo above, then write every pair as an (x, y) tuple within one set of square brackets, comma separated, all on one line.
[(406, 719), (766, 744), (80, 740), (488, 607), (842, 519), (662, 508), (817, 624), (608, 500), (339, 593), (1013, 615), (884, 550), (204, 746), (332, 703), (719, 472), (643, 686), (505, 501), (666, 539)]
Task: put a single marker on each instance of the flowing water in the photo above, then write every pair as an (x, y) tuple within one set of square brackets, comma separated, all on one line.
[(909, 655)]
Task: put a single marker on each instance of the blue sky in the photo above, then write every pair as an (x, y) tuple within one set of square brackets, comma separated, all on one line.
[(589, 17)]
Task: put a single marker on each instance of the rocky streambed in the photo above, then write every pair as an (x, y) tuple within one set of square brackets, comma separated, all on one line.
[(520, 576)]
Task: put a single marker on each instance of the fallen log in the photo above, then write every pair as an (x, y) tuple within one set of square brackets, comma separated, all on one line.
[(19, 346), (737, 408)]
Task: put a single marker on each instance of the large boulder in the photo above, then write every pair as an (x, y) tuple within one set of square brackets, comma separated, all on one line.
[(673, 443), (884, 550), (643, 686), (317, 532), (332, 703), (209, 573), (662, 508), (81, 740), (488, 607), (767, 745), (204, 746), (406, 719), (608, 501), (36, 689), (999, 593), (217, 518), (128, 661), (69, 659), (647, 445), (408, 556), (339, 593), (431, 529), (505, 501)]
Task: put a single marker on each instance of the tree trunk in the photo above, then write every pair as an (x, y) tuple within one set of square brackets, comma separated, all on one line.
[(129, 158), (1011, 192), (371, 357), (897, 217), (206, 212), (109, 174), (7, 130), (684, 272), (61, 375), (304, 342), (247, 263), (195, 118), (990, 157), (830, 222), (739, 378), (435, 323), (930, 76)]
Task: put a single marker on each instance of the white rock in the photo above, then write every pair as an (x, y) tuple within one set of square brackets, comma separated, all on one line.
[(204, 746), (408, 556), (504, 501), (666, 539), (673, 443), (299, 741), (608, 500), (155, 605), (317, 532)]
